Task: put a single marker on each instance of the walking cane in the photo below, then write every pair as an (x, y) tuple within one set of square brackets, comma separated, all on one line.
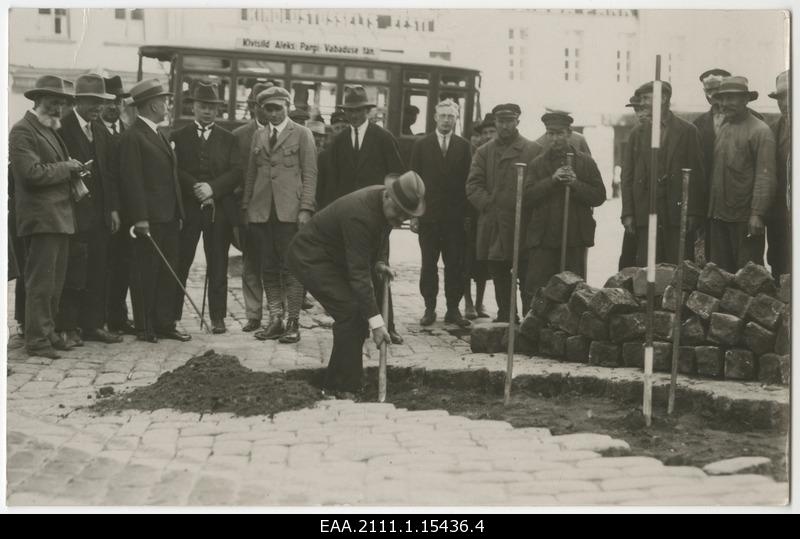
[(384, 346), (565, 224), (205, 281), (175, 275), (676, 325), (512, 307)]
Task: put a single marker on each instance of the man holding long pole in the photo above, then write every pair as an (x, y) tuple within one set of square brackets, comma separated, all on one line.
[(548, 179)]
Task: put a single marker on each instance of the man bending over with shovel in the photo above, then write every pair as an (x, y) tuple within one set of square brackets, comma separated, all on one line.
[(334, 257)]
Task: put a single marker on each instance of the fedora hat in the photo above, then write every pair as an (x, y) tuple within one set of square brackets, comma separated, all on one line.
[(147, 89), (299, 116), (92, 85), (355, 97), (50, 85), (205, 91), (735, 85), (114, 86), (407, 191), (781, 85)]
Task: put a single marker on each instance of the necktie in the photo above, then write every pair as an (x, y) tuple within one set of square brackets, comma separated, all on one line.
[(114, 128), (355, 145), (444, 145), (274, 138), (88, 131)]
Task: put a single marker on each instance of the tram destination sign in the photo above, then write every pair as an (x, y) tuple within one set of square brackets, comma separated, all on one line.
[(306, 47)]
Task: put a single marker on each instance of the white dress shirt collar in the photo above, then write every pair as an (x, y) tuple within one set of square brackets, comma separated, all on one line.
[(150, 123), (110, 126), (280, 127), (83, 123), (362, 129)]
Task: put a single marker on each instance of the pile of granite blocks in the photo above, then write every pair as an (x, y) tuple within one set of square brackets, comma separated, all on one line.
[(734, 327)]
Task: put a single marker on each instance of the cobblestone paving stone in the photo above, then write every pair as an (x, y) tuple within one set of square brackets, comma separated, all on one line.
[(337, 453)]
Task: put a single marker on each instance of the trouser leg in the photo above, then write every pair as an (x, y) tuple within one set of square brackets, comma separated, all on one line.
[(167, 236), (252, 287), (500, 271), (453, 256), (75, 279), (45, 270), (430, 247), (93, 299), (217, 237), (188, 236), (117, 281), (779, 247)]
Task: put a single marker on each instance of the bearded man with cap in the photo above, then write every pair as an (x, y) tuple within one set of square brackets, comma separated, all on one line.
[(151, 201), (742, 180), (545, 186), (43, 172), (119, 246), (279, 191), (491, 189), (364, 155), (83, 301), (680, 148), (209, 171), (335, 256), (779, 220), (252, 287)]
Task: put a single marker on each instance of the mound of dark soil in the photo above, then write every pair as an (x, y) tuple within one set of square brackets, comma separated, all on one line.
[(217, 383)]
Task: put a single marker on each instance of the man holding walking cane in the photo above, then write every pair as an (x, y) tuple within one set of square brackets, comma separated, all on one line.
[(150, 200), (550, 177)]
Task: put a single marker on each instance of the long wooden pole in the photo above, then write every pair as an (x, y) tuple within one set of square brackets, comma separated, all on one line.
[(652, 228), (512, 304), (384, 346), (676, 326), (565, 223)]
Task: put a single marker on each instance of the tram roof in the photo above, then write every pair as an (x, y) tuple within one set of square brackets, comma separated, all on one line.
[(164, 53)]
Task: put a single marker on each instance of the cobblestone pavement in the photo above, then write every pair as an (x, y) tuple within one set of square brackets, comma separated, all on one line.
[(339, 452)]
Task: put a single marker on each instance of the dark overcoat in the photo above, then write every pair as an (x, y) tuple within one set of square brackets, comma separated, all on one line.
[(378, 156), (445, 176)]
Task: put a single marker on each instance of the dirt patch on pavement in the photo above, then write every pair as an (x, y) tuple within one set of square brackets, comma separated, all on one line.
[(214, 383), (688, 438)]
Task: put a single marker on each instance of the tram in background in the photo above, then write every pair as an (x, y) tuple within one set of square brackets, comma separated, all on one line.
[(405, 93)]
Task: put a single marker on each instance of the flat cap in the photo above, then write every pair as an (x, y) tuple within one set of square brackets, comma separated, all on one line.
[(274, 95), (634, 101), (338, 117), (506, 110), (647, 88), (558, 120), (714, 71)]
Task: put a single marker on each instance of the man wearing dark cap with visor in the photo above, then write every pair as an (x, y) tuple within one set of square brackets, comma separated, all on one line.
[(779, 220), (549, 175), (491, 189), (680, 148)]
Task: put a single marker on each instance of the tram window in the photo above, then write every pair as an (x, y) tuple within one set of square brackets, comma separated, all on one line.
[(454, 80), (417, 77), (223, 87), (315, 98), (262, 67), (206, 63), (366, 74), (415, 113), (461, 101), (243, 87), (314, 70)]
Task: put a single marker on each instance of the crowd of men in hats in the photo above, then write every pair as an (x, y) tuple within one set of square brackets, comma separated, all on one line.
[(100, 205)]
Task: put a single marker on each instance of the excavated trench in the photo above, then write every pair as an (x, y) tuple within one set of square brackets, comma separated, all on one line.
[(702, 429)]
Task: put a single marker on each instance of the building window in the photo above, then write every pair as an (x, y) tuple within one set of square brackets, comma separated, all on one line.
[(511, 62), (129, 14), (510, 33), (511, 75), (523, 33), (119, 14), (54, 22), (137, 14), (511, 50)]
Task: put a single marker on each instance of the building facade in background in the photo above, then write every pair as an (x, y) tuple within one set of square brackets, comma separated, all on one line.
[(584, 61)]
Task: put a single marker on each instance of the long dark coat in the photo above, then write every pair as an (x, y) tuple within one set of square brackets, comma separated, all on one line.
[(378, 156), (492, 190)]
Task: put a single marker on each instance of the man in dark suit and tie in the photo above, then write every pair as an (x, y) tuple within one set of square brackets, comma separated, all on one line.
[(364, 155), (43, 173), (209, 171), (119, 247), (252, 287), (442, 159), (151, 202), (335, 256), (83, 302)]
